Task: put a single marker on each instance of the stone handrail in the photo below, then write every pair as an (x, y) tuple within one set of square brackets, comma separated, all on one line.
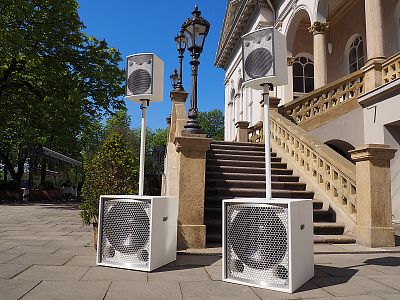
[(320, 101), (391, 68), (256, 133), (335, 175)]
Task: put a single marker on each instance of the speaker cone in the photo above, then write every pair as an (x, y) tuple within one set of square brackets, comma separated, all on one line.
[(258, 238), (258, 63), (127, 227), (139, 81)]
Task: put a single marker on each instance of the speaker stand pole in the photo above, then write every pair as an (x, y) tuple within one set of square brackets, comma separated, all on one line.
[(143, 107), (265, 94)]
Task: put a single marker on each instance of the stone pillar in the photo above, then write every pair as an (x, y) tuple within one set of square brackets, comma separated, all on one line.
[(374, 204), (374, 30), (178, 121), (191, 160), (242, 129), (320, 64), (288, 89)]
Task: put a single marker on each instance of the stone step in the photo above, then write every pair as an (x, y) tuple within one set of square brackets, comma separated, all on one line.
[(237, 144), (320, 215), (219, 156), (324, 228), (258, 193), (239, 163), (246, 170), (294, 186), (333, 239), (239, 152), (242, 147), (252, 177)]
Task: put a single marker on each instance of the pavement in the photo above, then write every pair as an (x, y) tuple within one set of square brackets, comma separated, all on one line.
[(46, 253)]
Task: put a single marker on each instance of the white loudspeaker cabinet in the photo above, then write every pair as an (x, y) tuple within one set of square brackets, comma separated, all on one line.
[(137, 232), (145, 77), (267, 243), (264, 58)]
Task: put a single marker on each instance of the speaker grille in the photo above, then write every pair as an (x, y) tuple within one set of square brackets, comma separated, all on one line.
[(139, 82), (258, 63), (257, 243), (125, 232)]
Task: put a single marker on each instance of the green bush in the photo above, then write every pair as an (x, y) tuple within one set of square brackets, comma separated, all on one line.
[(47, 185), (11, 185), (113, 170)]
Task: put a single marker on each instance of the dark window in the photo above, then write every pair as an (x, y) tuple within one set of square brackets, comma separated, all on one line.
[(303, 75), (356, 55)]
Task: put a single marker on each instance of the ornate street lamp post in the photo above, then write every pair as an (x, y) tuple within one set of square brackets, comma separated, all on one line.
[(180, 41), (195, 30), (174, 77)]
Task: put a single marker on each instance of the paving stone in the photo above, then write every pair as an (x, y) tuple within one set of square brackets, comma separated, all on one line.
[(390, 280), (179, 274), (41, 259), (67, 290), (123, 290), (15, 289), (6, 246), (32, 249), (216, 290), (307, 291), (53, 273), (345, 270), (5, 257), (105, 274), (215, 272), (198, 260), (27, 242), (80, 250), (81, 260), (9, 270), (352, 286)]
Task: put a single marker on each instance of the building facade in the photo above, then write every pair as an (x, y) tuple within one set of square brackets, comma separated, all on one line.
[(342, 63)]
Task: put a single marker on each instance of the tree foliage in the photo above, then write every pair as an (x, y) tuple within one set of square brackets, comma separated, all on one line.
[(54, 79), (113, 170), (212, 124)]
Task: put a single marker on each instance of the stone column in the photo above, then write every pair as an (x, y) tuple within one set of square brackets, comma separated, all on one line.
[(320, 64), (374, 204), (242, 129), (191, 160), (288, 89), (374, 30)]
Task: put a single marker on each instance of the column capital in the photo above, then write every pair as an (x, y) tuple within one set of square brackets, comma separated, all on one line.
[(290, 61), (178, 96), (318, 28), (242, 124)]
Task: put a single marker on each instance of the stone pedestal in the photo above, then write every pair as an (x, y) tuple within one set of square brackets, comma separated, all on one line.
[(374, 205), (242, 129), (191, 150), (374, 30), (320, 62)]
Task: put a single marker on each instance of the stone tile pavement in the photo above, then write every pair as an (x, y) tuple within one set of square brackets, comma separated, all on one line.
[(46, 253)]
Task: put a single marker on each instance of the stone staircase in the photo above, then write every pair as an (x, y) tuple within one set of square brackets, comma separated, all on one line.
[(238, 170)]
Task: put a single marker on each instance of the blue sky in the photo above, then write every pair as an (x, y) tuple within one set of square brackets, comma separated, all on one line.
[(138, 26)]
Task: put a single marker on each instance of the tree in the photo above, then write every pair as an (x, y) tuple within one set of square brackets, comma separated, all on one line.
[(54, 79), (113, 170), (212, 124)]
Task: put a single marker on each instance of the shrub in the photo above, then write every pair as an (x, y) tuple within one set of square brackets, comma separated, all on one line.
[(12, 185), (47, 185), (112, 171)]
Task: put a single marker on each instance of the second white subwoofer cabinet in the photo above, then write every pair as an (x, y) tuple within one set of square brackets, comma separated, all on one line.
[(268, 244), (137, 232)]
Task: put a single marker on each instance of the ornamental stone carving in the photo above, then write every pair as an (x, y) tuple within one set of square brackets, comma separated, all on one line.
[(290, 61), (318, 28)]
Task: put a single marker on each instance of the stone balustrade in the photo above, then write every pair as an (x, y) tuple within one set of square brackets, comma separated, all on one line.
[(256, 133), (391, 69), (324, 102), (335, 175)]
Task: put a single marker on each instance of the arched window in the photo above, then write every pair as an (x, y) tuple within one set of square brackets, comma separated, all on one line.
[(303, 75), (356, 54)]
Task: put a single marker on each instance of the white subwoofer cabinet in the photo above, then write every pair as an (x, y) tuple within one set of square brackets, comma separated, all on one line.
[(268, 243), (137, 232)]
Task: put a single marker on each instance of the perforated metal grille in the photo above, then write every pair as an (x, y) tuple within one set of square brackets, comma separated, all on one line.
[(258, 63), (257, 244), (139, 82), (125, 233)]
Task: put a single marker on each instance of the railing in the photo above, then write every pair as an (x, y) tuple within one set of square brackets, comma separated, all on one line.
[(391, 69), (256, 133), (334, 174), (325, 98)]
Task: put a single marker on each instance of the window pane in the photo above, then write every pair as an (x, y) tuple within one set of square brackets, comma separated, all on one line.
[(303, 60), (352, 56), (353, 68), (360, 49), (309, 70), (297, 69), (298, 84), (361, 62), (309, 84)]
